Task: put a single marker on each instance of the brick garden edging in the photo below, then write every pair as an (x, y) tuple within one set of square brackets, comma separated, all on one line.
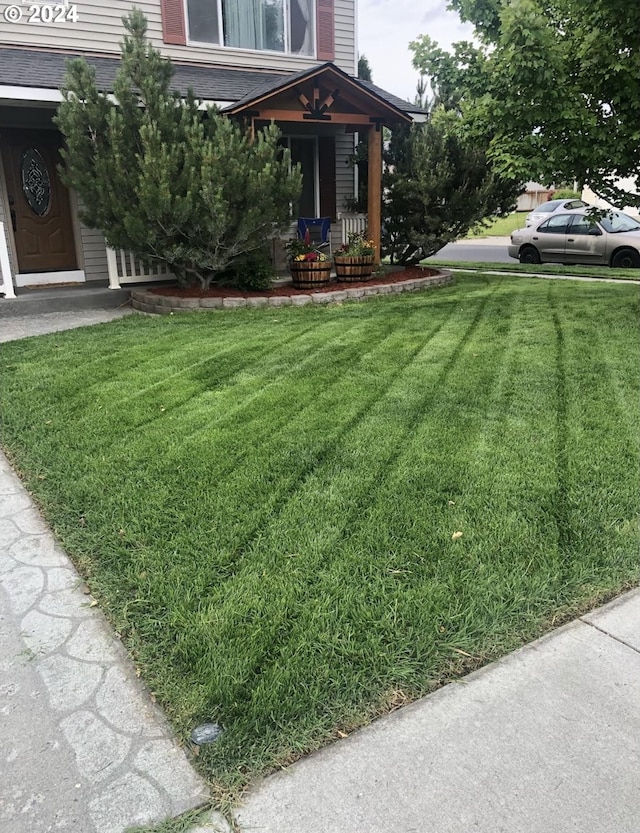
[(144, 300)]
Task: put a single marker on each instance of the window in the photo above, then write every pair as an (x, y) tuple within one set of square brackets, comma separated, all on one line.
[(555, 225), (583, 225), (616, 221), (271, 25)]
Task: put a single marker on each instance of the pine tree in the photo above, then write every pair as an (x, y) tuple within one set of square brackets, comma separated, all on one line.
[(437, 185), (165, 179)]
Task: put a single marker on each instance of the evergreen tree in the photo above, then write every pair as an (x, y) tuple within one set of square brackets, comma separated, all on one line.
[(165, 179), (364, 68), (438, 185)]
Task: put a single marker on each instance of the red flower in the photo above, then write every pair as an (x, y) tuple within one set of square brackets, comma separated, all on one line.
[(312, 255)]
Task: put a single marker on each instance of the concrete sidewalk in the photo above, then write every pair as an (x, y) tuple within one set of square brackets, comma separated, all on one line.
[(546, 740), (82, 747), (40, 311)]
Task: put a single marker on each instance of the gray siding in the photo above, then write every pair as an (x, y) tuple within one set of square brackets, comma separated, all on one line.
[(94, 250), (99, 30), (345, 20), (344, 171), (94, 254)]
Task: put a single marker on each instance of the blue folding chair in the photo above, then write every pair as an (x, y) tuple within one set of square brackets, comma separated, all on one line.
[(319, 229)]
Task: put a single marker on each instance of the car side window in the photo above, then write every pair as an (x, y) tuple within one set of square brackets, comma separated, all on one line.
[(555, 225), (581, 225)]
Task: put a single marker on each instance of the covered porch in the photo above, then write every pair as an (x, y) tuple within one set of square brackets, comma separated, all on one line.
[(315, 110), (321, 113)]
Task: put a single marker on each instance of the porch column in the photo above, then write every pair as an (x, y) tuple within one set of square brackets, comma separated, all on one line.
[(374, 202), (6, 281)]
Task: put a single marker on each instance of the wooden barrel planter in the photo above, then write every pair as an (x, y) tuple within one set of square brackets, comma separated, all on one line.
[(310, 274), (353, 268)]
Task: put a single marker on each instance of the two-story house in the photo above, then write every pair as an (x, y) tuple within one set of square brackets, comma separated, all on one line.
[(291, 61)]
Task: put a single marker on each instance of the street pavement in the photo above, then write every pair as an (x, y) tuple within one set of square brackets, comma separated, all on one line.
[(481, 250), (546, 740)]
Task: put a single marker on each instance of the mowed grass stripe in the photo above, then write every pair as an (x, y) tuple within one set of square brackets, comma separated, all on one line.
[(295, 436), (277, 551), (311, 528), (136, 401), (602, 442)]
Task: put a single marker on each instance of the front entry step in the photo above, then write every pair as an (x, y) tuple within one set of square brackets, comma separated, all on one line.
[(63, 299)]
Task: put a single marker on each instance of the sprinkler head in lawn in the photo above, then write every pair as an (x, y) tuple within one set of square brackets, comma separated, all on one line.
[(206, 733)]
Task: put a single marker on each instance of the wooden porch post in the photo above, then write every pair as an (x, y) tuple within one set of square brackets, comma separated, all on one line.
[(374, 202)]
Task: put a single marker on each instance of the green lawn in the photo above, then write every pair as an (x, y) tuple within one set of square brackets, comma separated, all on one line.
[(264, 501), (540, 269), (500, 227)]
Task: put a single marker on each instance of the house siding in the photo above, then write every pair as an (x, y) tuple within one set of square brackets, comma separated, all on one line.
[(344, 170), (99, 30), (345, 45), (94, 254)]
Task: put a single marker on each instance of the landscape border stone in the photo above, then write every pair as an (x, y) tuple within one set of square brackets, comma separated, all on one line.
[(144, 300)]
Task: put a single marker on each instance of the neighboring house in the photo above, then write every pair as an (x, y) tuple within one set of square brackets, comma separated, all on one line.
[(534, 194), (629, 185), (291, 61)]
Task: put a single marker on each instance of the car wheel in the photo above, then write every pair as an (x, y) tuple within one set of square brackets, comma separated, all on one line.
[(529, 255), (626, 259)]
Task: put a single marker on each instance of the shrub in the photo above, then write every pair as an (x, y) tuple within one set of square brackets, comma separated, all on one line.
[(163, 178)]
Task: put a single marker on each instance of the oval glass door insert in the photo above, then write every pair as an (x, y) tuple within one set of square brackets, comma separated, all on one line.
[(36, 182)]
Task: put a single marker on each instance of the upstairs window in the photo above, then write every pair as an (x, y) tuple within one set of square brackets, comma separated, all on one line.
[(265, 25)]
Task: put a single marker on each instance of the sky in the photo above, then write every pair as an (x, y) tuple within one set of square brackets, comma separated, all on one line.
[(385, 28)]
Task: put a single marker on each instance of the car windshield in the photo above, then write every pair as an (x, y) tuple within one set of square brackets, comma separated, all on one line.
[(614, 222)]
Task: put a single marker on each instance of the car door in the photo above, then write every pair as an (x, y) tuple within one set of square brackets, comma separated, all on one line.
[(550, 238), (585, 241)]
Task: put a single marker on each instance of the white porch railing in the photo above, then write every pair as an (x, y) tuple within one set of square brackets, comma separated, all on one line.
[(6, 287), (125, 267), (350, 223)]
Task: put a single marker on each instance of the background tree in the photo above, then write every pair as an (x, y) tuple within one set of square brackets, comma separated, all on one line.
[(164, 179), (553, 88), (364, 69), (438, 185)]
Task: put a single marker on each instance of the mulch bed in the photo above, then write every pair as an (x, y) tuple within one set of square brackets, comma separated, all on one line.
[(409, 274)]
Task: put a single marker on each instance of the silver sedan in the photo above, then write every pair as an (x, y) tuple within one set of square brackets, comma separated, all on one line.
[(612, 239)]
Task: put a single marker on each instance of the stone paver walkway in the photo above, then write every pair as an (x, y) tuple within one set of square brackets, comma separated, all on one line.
[(82, 747)]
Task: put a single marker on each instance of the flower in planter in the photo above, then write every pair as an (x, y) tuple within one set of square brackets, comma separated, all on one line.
[(358, 245), (304, 250)]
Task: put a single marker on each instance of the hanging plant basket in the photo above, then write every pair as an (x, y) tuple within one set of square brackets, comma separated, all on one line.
[(353, 268), (310, 274)]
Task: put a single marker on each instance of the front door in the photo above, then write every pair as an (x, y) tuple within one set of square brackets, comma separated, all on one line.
[(39, 203)]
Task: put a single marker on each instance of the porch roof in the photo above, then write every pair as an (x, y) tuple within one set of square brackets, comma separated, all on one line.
[(45, 69), (367, 98)]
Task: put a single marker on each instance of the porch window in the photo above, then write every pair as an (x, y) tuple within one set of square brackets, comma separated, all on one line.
[(266, 25)]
